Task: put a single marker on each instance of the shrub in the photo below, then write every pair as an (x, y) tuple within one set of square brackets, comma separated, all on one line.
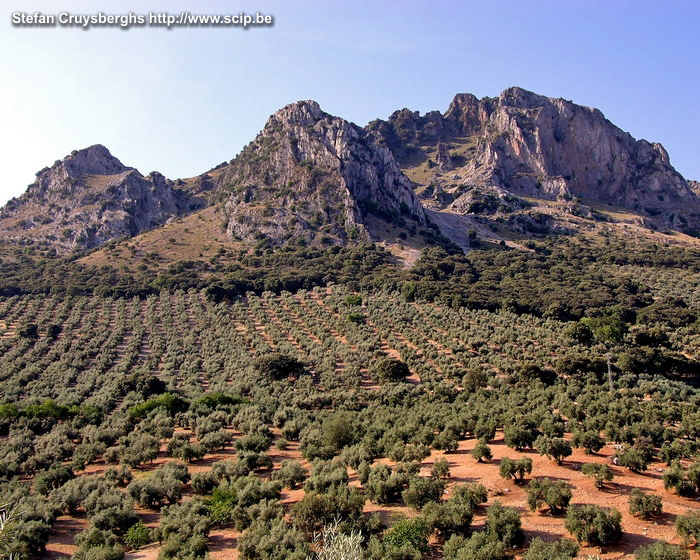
[(562, 549), (519, 436), (455, 515), (661, 550), (106, 507), (326, 475), (446, 441), (184, 529), (472, 494), (55, 477), (120, 476), (164, 485), (422, 490), (137, 536), (390, 370), (556, 495), (335, 545), (339, 431), (413, 532), (137, 449), (515, 468), (688, 527), (674, 451), (633, 459), (590, 441), (29, 331), (644, 505), (204, 482), (356, 317), (479, 546), (317, 509), (215, 441), (481, 452), (272, 539), (384, 486), (503, 524), (291, 474), (600, 472), (255, 443), (593, 524), (408, 452), (279, 366), (440, 468), (94, 544), (27, 520), (554, 448), (485, 429), (169, 402)]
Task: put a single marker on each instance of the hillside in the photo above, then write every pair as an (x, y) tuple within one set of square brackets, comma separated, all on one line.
[(388, 339), (360, 442)]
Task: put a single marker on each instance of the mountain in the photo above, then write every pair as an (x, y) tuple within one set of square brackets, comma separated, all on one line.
[(309, 175), (494, 169), (530, 145), (90, 198)]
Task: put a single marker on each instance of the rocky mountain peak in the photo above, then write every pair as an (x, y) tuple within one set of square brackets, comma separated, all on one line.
[(301, 113), (89, 198), (94, 160), (521, 98)]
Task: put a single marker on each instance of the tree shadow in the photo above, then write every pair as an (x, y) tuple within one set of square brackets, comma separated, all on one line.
[(629, 544), (220, 542), (619, 488), (531, 534), (463, 479), (550, 477)]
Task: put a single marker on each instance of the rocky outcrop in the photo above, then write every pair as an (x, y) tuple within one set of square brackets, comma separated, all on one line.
[(549, 148), (89, 198), (313, 177)]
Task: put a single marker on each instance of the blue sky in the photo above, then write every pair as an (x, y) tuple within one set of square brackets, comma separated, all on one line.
[(184, 100)]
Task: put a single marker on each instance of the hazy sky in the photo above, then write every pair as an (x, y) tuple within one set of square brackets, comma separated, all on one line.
[(184, 100)]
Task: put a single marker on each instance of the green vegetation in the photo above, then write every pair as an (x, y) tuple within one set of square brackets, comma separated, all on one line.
[(688, 527), (563, 549), (644, 505), (154, 374), (661, 550), (555, 494), (600, 472), (594, 525), (390, 369), (516, 469)]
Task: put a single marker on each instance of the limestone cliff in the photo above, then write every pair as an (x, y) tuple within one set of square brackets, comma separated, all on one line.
[(542, 147), (313, 177)]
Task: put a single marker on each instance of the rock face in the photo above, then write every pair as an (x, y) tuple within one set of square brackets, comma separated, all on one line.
[(548, 148), (311, 176), (89, 198)]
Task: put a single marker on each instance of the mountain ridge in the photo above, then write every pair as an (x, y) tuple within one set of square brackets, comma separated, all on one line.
[(313, 178)]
